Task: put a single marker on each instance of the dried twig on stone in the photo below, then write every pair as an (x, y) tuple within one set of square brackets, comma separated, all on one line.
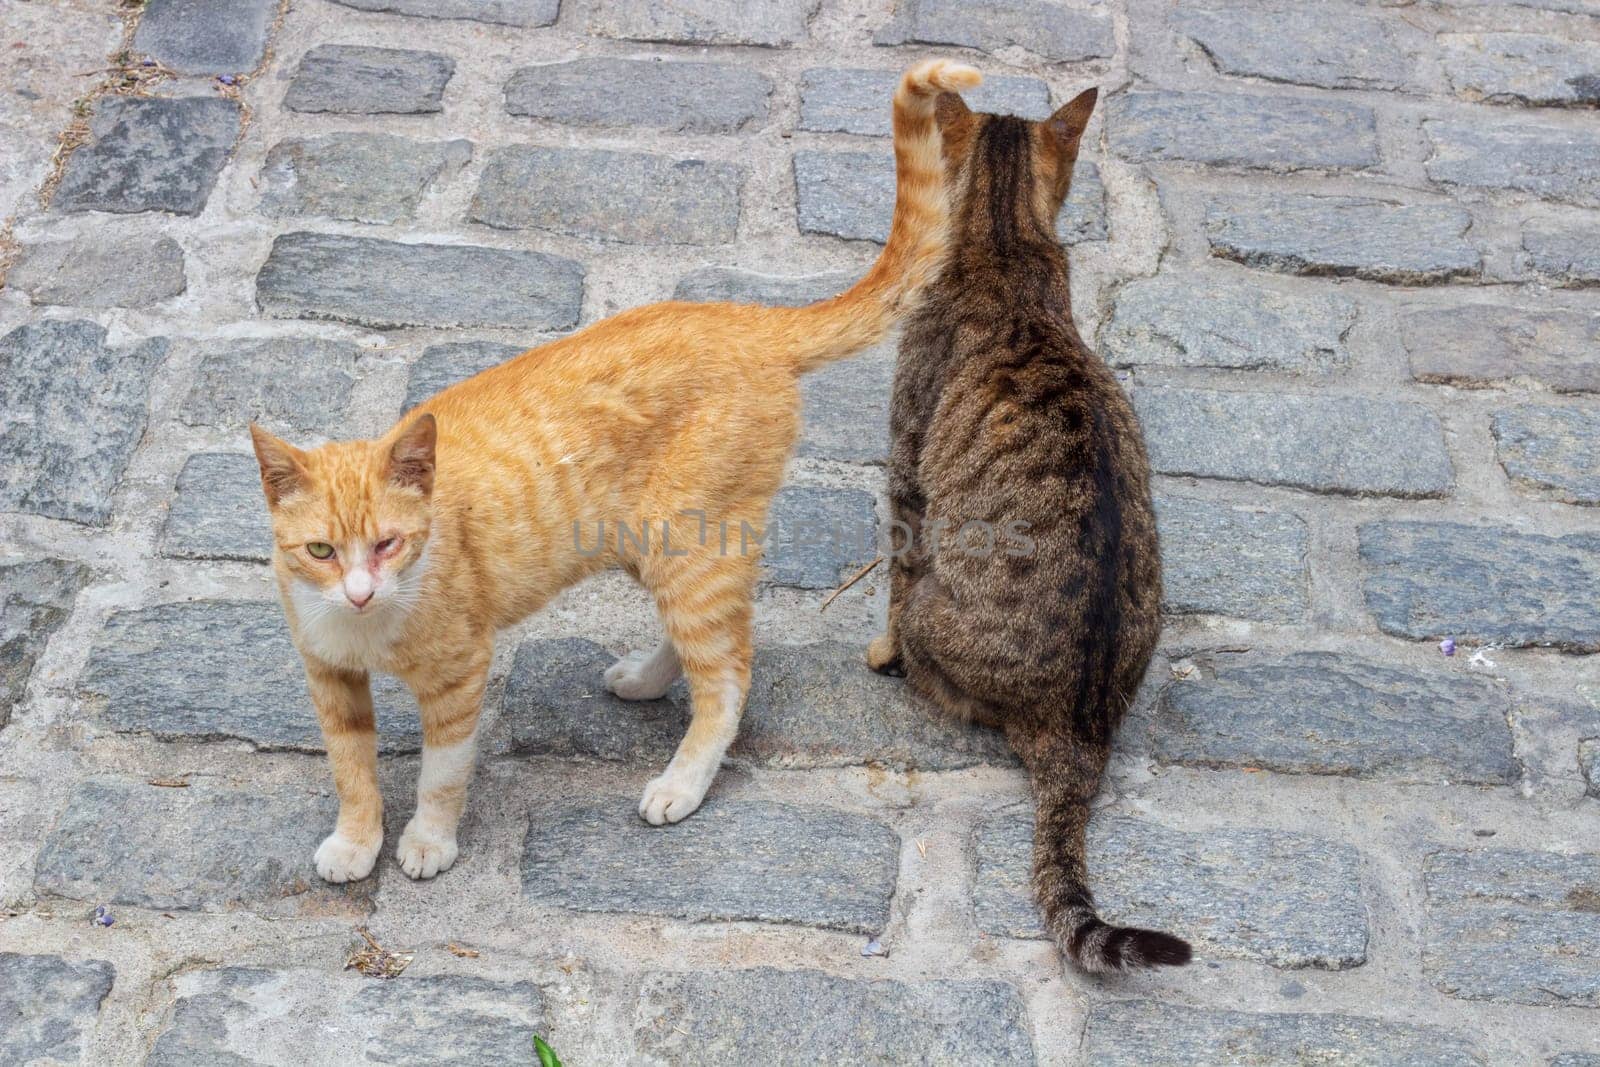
[(375, 961)]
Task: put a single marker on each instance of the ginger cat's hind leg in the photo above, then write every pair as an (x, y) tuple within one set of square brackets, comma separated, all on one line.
[(645, 675), (706, 603)]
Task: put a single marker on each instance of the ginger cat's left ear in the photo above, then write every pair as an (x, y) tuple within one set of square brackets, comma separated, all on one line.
[(411, 456), (283, 471)]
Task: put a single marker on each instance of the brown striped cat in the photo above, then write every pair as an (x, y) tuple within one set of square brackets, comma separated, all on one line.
[(1002, 415), (406, 554)]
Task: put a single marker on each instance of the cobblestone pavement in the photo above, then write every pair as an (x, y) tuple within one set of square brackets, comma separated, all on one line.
[(1346, 255)]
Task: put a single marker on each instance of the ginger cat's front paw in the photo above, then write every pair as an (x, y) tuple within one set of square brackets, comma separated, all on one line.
[(672, 797), (425, 851), (883, 657), (340, 859)]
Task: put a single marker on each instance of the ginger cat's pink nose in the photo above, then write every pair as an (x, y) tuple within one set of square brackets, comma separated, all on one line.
[(359, 601)]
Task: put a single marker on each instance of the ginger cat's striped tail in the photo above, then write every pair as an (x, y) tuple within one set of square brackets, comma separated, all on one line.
[(918, 236)]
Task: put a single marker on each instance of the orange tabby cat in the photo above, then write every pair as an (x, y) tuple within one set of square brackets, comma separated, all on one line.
[(406, 554)]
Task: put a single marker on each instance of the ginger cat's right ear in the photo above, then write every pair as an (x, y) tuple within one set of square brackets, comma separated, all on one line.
[(283, 471)]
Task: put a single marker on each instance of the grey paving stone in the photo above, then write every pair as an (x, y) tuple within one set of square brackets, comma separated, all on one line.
[(443, 365), (1287, 899), (793, 1019), (1482, 583), (844, 194), (834, 100), (218, 511), (150, 154), (816, 535), (1521, 68), (1181, 320), (1327, 713), (1219, 560), (609, 196), (846, 405), (1520, 156), (1552, 449), (681, 97), (1147, 1033), (365, 177), (752, 287), (1576, 1059), (1589, 764), (205, 36), (1329, 444), (1051, 30), (390, 283), (1477, 344), (501, 12), (1343, 236), (356, 80), (1511, 925), (729, 861), (1083, 216), (1307, 44), (295, 385), (72, 410), (241, 678), (851, 195), (1572, 7), (35, 597), (102, 272), (237, 1015), (769, 23), (208, 848), (49, 1006), (1566, 253), (809, 706), (1233, 130)]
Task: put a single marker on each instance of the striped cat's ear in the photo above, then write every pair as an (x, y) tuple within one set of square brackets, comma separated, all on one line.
[(1072, 118), (411, 455), (949, 107), (283, 471)]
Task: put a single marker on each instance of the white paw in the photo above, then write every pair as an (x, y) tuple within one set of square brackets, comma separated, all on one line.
[(672, 797), (425, 851), (340, 859), (638, 676)]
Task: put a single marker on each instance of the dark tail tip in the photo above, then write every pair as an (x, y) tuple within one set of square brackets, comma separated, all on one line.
[(1099, 948), (1152, 948)]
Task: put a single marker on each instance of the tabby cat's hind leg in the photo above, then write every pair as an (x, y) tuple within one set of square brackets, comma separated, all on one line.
[(706, 603), (645, 675)]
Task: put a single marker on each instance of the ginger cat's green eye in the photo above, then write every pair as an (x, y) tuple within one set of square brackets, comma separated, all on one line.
[(320, 550)]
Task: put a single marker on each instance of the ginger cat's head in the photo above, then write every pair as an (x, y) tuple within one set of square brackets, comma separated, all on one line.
[(351, 519), (1010, 175)]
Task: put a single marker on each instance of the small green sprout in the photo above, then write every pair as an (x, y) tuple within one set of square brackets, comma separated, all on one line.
[(547, 1055)]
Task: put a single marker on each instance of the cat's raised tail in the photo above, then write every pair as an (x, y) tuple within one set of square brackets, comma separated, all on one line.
[(918, 235), (1066, 775)]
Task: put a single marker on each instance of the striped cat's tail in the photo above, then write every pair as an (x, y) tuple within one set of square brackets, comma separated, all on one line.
[(918, 235), (1066, 775)]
